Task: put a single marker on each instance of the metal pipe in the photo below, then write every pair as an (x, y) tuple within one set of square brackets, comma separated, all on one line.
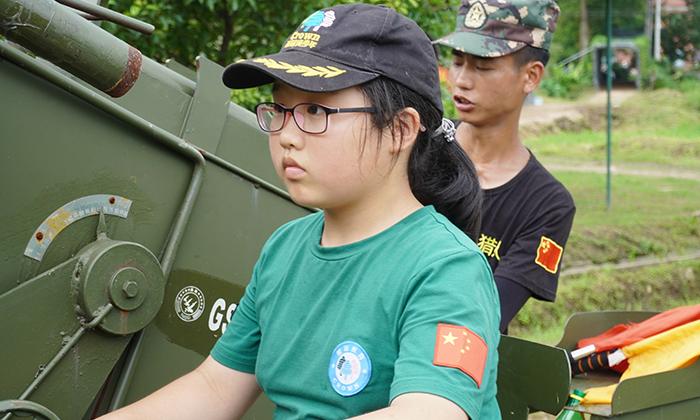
[(608, 87), (110, 15), (657, 31), (62, 37), (27, 407)]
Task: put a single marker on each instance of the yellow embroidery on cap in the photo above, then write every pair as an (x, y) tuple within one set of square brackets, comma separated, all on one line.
[(305, 71)]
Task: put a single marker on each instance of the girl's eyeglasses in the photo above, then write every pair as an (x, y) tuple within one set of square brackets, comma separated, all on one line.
[(310, 118)]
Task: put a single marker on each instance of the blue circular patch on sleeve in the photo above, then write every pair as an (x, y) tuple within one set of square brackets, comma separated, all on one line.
[(350, 368)]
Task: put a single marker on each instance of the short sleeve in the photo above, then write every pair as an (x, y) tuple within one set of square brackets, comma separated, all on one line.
[(457, 291), (534, 258), (238, 346)]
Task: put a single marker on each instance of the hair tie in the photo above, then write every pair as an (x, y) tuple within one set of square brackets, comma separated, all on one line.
[(446, 130)]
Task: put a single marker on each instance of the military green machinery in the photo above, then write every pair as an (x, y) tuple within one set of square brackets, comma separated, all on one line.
[(136, 198)]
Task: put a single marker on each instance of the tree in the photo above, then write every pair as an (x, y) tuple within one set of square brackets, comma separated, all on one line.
[(228, 30), (680, 34)]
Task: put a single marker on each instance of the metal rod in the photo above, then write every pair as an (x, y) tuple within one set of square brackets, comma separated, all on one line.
[(608, 88), (110, 15), (72, 340)]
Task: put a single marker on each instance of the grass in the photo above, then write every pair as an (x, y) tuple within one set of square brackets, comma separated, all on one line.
[(659, 127), (649, 215), (653, 288)]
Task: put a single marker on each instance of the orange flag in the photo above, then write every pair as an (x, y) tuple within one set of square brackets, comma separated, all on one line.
[(459, 347)]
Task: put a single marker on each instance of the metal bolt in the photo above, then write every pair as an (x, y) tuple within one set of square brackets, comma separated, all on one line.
[(130, 289)]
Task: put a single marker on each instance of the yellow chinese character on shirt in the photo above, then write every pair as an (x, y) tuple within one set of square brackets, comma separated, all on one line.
[(489, 246)]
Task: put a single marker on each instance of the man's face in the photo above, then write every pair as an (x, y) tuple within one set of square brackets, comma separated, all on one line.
[(485, 90)]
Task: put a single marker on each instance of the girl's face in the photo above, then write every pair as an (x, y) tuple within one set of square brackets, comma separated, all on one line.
[(329, 170)]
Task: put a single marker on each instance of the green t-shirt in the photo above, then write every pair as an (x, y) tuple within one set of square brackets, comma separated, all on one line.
[(334, 332)]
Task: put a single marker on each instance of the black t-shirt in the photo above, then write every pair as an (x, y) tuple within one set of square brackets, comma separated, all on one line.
[(525, 225)]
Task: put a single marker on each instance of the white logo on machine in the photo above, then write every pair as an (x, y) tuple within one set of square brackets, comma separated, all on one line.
[(189, 304), (350, 368)]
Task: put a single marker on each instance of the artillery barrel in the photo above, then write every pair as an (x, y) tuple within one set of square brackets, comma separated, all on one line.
[(61, 36)]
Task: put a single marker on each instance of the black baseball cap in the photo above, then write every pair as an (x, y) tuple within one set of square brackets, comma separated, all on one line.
[(344, 46)]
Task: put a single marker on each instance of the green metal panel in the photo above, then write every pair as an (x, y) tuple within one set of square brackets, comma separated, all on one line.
[(61, 149), (531, 377)]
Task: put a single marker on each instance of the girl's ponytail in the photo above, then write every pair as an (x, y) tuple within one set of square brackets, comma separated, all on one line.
[(439, 171)]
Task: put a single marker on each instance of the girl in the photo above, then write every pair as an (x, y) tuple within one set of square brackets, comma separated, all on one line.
[(379, 305)]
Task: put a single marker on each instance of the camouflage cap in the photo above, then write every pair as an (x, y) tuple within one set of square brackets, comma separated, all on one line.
[(494, 28)]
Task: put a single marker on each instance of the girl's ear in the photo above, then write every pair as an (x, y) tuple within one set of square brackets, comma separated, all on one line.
[(406, 127)]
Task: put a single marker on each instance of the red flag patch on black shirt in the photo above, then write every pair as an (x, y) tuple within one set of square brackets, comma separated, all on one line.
[(549, 254)]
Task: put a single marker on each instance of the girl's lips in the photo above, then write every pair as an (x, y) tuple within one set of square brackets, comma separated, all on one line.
[(462, 104), (292, 170)]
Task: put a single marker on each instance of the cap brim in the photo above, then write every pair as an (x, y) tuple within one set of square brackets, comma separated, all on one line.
[(299, 69), (479, 45)]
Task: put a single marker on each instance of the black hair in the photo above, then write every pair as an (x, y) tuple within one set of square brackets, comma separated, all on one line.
[(439, 172), (528, 54)]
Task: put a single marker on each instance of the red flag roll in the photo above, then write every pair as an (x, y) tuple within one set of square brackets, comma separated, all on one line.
[(622, 335)]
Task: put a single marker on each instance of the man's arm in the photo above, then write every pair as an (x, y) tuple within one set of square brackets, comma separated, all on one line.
[(513, 297), (211, 391), (418, 406)]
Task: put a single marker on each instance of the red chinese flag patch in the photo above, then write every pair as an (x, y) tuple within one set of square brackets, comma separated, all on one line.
[(549, 254), (458, 347)]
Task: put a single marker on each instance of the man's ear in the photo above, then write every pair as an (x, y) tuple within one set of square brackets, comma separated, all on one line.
[(532, 73), (406, 127)]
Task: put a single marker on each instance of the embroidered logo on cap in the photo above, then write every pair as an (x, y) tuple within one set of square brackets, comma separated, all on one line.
[(459, 347), (302, 38), (549, 254), (318, 19), (476, 16), (350, 368)]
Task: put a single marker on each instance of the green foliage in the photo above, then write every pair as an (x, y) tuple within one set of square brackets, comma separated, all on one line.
[(233, 29), (628, 20), (567, 82), (229, 30)]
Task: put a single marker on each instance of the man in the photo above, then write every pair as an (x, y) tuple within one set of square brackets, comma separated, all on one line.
[(500, 48)]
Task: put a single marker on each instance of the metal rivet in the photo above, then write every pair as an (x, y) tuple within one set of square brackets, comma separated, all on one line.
[(39, 236)]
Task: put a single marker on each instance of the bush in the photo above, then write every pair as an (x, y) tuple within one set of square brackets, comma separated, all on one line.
[(567, 82), (248, 98)]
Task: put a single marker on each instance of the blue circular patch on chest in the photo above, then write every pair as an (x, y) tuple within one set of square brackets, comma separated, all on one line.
[(350, 368)]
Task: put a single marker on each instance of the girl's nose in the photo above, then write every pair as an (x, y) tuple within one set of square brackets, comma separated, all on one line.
[(290, 136)]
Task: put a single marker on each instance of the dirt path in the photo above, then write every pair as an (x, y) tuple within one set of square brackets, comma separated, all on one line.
[(551, 110), (648, 170), (640, 262)]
